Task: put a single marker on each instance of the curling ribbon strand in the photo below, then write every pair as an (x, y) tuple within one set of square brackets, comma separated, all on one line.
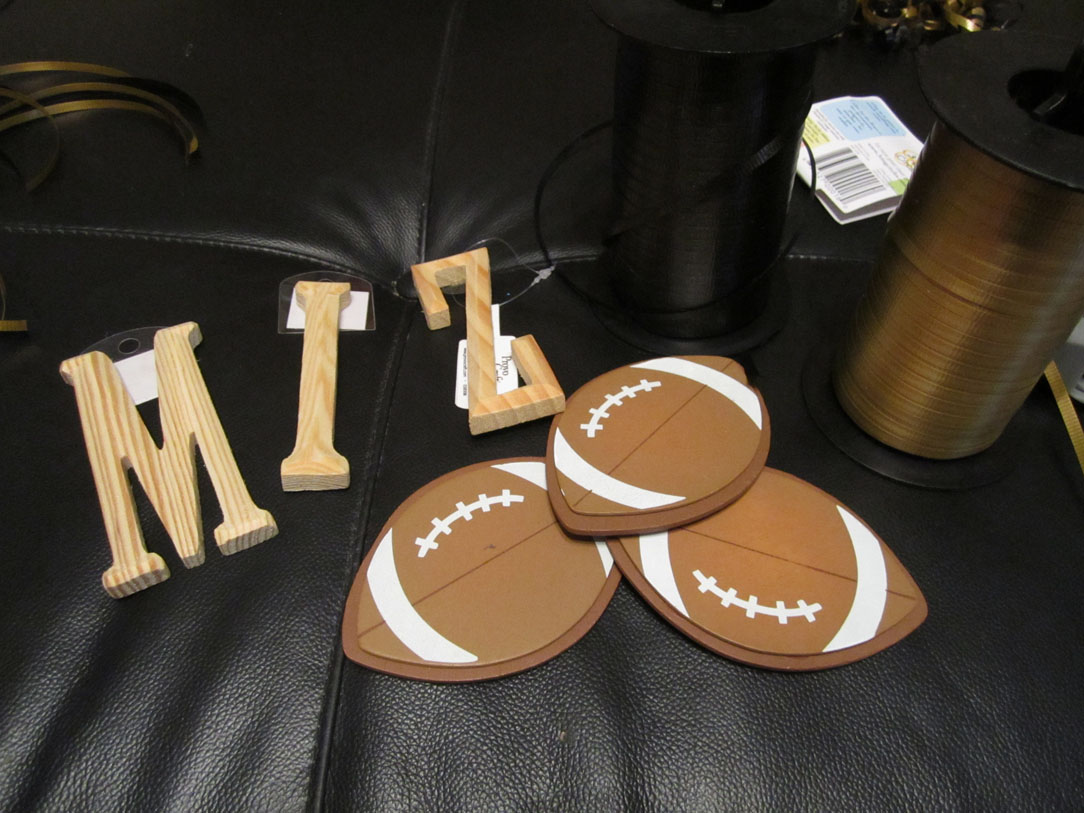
[(123, 92), (53, 157), (8, 325), (1067, 410)]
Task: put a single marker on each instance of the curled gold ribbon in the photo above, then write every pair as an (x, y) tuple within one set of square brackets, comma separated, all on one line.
[(908, 14), (55, 66), (142, 102), (8, 325), (50, 162), (1067, 410), (71, 97), (930, 15), (964, 15)]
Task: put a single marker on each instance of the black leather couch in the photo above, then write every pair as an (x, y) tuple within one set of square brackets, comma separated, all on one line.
[(365, 137)]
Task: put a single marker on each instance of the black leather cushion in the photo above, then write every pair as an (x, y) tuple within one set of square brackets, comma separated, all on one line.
[(521, 81), (976, 709), (368, 136), (319, 136), (211, 688)]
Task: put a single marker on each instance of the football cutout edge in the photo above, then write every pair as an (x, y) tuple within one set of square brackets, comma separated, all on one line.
[(448, 673), (769, 660)]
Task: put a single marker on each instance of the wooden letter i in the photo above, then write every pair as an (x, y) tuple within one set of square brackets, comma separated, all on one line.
[(314, 465)]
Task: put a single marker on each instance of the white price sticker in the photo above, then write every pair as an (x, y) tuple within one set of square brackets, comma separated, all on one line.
[(354, 316), (140, 376), (507, 375)]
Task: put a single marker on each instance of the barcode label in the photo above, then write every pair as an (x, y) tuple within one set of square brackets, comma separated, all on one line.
[(847, 178)]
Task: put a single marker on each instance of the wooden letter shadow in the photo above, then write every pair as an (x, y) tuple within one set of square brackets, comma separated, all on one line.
[(314, 465), (539, 397), (118, 440)]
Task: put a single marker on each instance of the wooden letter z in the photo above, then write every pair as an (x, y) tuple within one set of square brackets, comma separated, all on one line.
[(539, 397), (118, 440)]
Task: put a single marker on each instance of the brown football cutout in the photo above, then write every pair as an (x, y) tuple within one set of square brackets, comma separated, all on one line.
[(473, 578), (784, 578), (654, 445)]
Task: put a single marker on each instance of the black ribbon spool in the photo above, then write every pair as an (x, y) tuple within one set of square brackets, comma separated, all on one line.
[(709, 108)]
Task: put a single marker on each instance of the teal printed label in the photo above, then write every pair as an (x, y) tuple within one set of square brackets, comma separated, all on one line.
[(863, 118)]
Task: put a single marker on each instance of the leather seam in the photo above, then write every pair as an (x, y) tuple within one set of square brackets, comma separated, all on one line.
[(826, 258), (173, 237), (362, 515), (432, 133)]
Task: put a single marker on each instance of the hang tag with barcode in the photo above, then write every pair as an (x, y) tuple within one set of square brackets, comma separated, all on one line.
[(507, 375), (864, 154)]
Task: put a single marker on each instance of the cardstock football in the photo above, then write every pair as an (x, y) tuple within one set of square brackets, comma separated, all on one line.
[(473, 578), (654, 445), (784, 578)]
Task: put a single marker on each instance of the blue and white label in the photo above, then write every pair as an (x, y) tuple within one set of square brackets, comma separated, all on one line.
[(859, 118), (864, 156)]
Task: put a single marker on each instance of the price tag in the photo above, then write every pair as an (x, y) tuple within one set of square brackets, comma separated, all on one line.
[(864, 155), (507, 375)]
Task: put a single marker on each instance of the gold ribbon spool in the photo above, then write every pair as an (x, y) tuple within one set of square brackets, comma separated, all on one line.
[(981, 278)]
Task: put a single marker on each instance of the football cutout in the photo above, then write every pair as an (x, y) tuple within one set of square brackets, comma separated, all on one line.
[(655, 445), (473, 578), (785, 578)]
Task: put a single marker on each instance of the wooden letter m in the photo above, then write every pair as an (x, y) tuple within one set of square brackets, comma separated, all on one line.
[(118, 440)]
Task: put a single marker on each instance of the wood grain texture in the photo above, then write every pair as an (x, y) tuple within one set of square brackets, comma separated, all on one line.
[(431, 278), (314, 464), (487, 411), (118, 440)]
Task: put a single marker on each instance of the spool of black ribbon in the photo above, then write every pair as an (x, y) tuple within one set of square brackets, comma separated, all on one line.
[(710, 102)]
